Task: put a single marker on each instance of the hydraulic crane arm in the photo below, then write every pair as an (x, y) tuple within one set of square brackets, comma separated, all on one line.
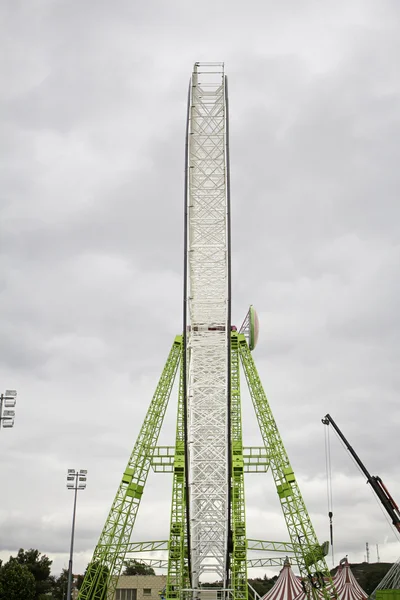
[(376, 482)]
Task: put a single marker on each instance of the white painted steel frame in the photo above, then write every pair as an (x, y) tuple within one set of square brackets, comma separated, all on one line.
[(208, 327)]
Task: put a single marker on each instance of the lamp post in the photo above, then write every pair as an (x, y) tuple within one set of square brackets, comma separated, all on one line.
[(76, 480), (7, 402)]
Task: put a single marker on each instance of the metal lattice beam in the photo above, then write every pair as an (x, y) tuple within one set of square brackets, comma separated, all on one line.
[(238, 561), (177, 576), (263, 545), (254, 563), (251, 563), (208, 331), (155, 546), (255, 459)]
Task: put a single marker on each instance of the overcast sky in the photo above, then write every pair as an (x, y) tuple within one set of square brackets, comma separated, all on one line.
[(93, 101)]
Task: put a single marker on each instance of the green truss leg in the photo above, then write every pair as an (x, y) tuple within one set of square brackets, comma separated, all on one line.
[(177, 577), (108, 558), (239, 555), (309, 554)]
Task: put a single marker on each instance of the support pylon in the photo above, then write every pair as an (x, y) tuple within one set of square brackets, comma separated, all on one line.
[(178, 572), (114, 548)]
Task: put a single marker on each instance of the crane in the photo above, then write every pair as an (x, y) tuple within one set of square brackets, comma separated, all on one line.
[(375, 482)]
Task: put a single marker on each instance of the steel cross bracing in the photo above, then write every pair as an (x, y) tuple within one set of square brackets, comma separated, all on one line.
[(108, 558), (255, 459), (162, 563), (178, 575), (309, 554), (208, 326), (254, 563), (257, 545)]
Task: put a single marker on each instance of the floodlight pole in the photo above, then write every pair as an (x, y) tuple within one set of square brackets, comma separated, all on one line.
[(76, 476)]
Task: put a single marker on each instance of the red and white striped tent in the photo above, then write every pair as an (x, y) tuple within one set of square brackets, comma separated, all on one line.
[(288, 586), (346, 584)]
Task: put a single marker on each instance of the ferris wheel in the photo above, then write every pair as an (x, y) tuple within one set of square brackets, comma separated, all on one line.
[(207, 318), (207, 528)]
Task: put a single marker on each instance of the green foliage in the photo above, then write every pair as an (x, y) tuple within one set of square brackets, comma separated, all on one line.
[(135, 567), (59, 586), (16, 582), (211, 584), (39, 566), (79, 581), (263, 585)]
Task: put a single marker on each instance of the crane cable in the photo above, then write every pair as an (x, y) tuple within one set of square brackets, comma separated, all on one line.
[(328, 467)]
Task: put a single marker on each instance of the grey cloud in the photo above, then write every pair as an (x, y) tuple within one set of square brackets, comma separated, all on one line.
[(92, 246)]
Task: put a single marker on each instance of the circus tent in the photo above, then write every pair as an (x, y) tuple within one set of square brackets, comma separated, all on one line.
[(288, 586), (346, 584)]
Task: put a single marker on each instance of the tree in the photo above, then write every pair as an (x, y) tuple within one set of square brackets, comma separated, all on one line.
[(263, 585), (135, 567), (39, 566), (79, 581), (16, 582), (59, 586)]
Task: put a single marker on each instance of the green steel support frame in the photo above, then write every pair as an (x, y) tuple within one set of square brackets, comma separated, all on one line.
[(310, 556), (255, 459), (177, 577), (114, 543), (238, 558), (109, 555)]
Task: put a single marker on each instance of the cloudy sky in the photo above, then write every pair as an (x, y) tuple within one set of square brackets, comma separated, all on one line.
[(93, 98)]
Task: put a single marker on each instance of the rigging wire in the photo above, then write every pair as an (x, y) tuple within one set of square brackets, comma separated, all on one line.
[(329, 493)]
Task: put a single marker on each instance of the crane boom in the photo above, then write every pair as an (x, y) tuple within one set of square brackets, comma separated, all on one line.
[(375, 482)]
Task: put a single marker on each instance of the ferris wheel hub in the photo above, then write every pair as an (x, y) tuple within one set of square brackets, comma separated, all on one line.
[(251, 327)]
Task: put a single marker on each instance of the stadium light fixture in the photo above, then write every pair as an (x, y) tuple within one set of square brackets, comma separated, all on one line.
[(76, 480), (8, 401)]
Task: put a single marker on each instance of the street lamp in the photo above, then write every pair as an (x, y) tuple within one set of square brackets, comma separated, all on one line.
[(76, 480), (7, 402)]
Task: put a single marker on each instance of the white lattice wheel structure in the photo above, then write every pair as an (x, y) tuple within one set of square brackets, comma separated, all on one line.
[(208, 321)]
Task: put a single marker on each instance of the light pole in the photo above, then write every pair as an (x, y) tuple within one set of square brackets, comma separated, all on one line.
[(76, 480), (7, 401)]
